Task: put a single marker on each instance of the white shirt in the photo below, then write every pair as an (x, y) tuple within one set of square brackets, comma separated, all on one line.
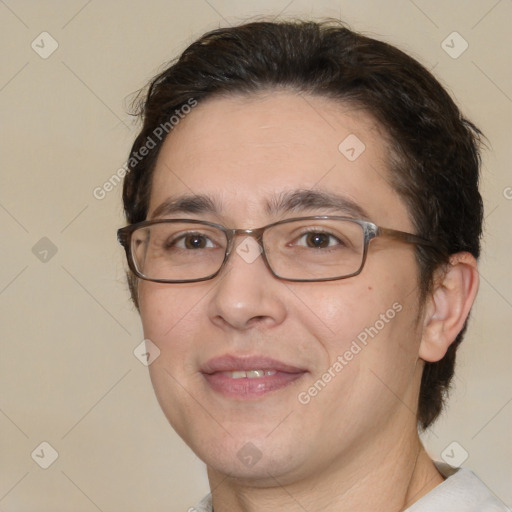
[(462, 491)]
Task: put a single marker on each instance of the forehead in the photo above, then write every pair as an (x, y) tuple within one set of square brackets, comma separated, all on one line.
[(246, 152)]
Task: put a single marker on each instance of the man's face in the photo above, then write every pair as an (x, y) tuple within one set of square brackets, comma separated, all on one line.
[(244, 154)]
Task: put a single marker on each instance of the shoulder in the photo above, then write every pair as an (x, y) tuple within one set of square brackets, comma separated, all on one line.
[(205, 505), (462, 491)]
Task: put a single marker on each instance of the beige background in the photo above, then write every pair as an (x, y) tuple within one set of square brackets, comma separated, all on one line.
[(68, 373)]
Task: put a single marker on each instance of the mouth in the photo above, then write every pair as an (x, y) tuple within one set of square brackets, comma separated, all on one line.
[(246, 378)]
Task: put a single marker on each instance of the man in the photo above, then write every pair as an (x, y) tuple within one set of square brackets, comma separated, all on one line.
[(304, 222)]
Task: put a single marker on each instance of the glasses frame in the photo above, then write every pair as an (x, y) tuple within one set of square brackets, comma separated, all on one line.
[(370, 231)]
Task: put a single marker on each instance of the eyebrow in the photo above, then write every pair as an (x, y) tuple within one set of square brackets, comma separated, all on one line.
[(293, 201), (307, 199), (185, 204)]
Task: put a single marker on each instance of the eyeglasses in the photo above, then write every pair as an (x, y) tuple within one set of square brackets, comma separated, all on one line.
[(319, 248)]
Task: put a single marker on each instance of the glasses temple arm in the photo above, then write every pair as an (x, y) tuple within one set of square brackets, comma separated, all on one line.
[(408, 238)]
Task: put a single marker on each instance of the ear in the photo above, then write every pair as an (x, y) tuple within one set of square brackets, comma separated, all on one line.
[(448, 305)]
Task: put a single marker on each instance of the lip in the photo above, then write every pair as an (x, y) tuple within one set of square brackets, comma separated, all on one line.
[(246, 388), (229, 363)]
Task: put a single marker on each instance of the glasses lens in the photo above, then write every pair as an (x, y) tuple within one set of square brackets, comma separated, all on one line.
[(178, 251), (315, 249)]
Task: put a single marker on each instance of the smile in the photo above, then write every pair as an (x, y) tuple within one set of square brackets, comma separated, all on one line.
[(251, 374), (248, 377)]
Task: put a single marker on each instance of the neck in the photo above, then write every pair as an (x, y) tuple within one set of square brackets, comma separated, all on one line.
[(385, 477)]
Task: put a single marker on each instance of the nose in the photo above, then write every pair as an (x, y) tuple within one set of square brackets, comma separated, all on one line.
[(246, 293)]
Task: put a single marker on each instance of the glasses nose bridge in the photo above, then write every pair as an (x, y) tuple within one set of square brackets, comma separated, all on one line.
[(256, 233), (253, 233)]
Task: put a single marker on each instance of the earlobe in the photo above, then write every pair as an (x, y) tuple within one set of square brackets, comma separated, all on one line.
[(448, 305)]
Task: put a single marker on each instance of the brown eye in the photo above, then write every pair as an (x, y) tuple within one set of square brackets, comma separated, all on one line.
[(195, 242), (319, 240), (190, 241)]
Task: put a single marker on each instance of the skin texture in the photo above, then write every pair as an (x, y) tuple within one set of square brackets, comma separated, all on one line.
[(355, 445)]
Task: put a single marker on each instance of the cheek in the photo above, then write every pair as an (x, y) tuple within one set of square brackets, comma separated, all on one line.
[(168, 312), (336, 312), (369, 357), (373, 314), (171, 317)]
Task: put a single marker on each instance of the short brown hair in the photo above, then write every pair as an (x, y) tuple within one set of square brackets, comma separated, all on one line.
[(434, 150)]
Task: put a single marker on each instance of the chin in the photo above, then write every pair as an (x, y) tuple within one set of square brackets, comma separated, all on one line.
[(258, 459)]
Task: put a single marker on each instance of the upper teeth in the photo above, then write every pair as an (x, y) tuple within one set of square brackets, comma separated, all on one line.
[(250, 374)]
